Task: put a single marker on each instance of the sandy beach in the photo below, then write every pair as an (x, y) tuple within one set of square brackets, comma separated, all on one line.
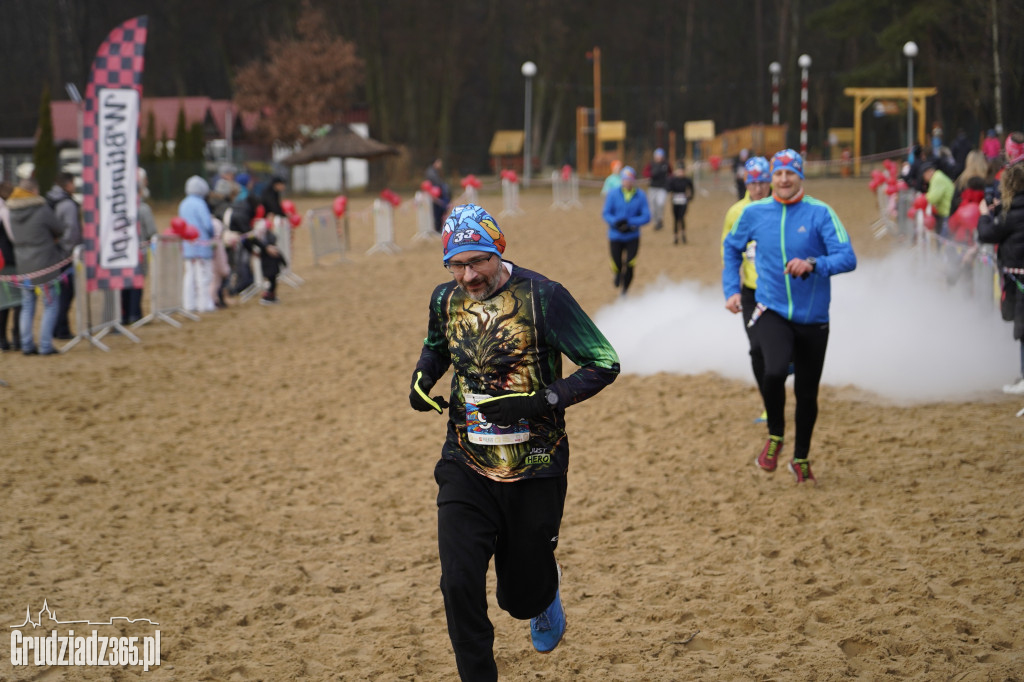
[(257, 484)]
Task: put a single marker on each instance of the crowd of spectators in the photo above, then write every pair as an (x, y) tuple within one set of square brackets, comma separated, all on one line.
[(39, 232)]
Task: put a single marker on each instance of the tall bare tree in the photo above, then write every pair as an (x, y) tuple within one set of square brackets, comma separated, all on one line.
[(309, 81)]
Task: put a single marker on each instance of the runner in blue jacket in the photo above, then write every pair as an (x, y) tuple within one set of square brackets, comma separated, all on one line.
[(625, 211), (800, 244)]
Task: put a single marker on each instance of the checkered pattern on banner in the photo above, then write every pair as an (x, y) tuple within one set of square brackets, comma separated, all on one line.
[(118, 64)]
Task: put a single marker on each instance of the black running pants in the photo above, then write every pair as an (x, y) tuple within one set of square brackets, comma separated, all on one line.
[(783, 341), (748, 303), (624, 260), (516, 523)]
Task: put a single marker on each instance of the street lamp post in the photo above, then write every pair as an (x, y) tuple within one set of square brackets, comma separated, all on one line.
[(529, 70), (775, 69), (805, 63), (910, 51)]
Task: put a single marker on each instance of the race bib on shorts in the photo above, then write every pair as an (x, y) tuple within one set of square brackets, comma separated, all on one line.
[(679, 199), (483, 432)]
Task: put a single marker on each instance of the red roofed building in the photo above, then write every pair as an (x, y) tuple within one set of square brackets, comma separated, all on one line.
[(213, 114)]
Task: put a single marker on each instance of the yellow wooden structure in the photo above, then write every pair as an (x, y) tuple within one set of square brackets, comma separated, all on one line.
[(506, 150), (864, 97), (758, 139)]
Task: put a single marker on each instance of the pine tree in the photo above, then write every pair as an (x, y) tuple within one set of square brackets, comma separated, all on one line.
[(197, 142), (147, 146), (45, 155), (180, 138), (162, 152)]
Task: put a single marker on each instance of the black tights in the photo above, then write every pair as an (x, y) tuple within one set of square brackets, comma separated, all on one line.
[(679, 224), (749, 303), (783, 341), (623, 261), (15, 314)]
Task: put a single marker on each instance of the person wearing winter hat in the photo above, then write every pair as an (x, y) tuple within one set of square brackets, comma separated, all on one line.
[(613, 181), (681, 189), (1014, 148), (758, 186), (801, 244), (197, 293), (36, 232), (502, 473), (990, 145), (62, 200), (940, 195), (8, 294), (658, 171), (1002, 223), (625, 211)]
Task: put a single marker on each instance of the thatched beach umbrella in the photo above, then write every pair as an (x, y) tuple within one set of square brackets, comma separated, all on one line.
[(341, 143)]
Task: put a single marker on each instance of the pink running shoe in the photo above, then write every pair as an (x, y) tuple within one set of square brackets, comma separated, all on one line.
[(766, 460), (801, 468)]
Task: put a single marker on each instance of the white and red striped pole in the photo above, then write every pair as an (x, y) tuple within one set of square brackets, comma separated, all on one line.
[(805, 63), (775, 69)]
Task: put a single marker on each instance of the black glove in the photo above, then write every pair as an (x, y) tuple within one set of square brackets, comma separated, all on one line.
[(623, 226), (507, 409), (419, 396)]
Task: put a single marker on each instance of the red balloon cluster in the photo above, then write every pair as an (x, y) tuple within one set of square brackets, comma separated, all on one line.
[(390, 197), (430, 188), (895, 187), (471, 181), (920, 205), (889, 177), (339, 206), (877, 179), (182, 229), (294, 219), (510, 175)]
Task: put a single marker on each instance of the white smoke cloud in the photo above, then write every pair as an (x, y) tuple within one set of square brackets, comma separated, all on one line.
[(897, 330)]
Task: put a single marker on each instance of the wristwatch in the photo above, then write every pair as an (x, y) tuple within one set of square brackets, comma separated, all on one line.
[(813, 262), (551, 397)]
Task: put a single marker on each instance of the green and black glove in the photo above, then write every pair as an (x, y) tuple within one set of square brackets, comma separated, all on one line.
[(508, 409), (419, 394)]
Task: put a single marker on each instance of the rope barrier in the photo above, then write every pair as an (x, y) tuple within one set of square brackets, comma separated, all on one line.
[(19, 279)]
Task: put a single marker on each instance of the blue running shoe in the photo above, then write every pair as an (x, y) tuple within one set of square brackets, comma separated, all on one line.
[(547, 628)]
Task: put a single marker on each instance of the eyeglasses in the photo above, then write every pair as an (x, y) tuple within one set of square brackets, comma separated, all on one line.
[(474, 263)]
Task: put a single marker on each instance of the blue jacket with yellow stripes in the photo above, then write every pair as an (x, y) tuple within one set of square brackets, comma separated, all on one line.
[(802, 228)]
